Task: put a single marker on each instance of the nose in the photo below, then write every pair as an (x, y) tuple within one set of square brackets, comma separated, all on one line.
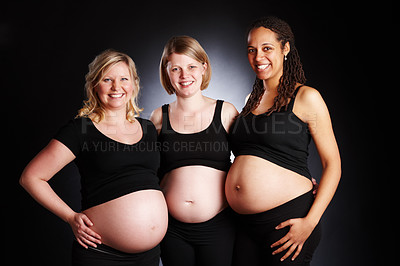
[(259, 55), (115, 85), (184, 73)]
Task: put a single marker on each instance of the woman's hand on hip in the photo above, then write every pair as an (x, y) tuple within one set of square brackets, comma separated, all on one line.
[(300, 230)]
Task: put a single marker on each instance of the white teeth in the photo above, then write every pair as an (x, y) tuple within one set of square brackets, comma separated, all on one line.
[(186, 83), (262, 66), (116, 95)]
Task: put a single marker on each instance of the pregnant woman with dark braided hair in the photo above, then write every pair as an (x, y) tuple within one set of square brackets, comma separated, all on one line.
[(269, 184)]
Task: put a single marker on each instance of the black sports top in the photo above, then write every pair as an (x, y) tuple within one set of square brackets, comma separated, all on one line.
[(281, 138), (110, 169), (208, 147)]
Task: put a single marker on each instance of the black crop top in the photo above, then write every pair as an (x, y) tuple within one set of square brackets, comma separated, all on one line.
[(281, 138), (110, 169), (208, 147)]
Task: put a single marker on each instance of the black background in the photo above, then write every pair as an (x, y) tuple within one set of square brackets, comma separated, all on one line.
[(45, 50)]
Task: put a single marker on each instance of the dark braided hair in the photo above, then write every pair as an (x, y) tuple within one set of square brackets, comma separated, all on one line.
[(292, 68)]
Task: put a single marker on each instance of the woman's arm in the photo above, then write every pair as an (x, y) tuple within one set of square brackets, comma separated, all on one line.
[(156, 118), (35, 179), (325, 142), (312, 109)]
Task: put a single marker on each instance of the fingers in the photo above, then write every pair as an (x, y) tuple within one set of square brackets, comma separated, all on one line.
[(81, 243), (290, 251), (282, 248), (88, 236), (299, 248), (90, 231), (286, 242), (280, 242), (315, 186), (83, 234), (86, 220), (294, 240), (284, 224), (286, 237), (292, 247)]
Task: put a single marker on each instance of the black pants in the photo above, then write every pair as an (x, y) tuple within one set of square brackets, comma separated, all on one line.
[(208, 243), (106, 256), (257, 233)]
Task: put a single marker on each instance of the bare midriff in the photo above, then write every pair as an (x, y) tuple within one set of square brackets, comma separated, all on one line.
[(133, 223), (194, 194), (255, 185)]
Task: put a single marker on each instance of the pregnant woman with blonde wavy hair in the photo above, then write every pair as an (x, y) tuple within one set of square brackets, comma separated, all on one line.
[(124, 214)]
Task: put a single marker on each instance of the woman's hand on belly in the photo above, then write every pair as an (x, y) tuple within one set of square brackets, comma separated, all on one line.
[(194, 194), (85, 236)]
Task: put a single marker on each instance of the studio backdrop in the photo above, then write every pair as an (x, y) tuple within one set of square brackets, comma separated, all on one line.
[(45, 51)]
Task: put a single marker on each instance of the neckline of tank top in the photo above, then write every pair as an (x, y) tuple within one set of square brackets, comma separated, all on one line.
[(290, 105), (202, 131), (107, 137)]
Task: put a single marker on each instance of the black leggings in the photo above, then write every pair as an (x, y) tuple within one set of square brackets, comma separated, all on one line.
[(257, 233), (208, 243), (106, 256)]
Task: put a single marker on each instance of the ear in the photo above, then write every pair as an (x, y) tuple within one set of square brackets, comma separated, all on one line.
[(205, 66), (286, 48)]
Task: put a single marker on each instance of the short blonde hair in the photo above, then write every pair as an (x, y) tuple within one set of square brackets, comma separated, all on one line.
[(187, 46), (97, 69)]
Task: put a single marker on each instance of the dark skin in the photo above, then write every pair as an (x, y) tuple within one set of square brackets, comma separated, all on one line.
[(264, 48)]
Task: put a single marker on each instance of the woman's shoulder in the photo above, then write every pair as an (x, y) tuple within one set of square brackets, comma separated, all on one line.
[(156, 118), (308, 98), (229, 108), (228, 115), (308, 103), (307, 93)]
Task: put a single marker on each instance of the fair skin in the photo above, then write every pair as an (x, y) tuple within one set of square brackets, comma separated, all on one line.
[(109, 218), (194, 193), (266, 57)]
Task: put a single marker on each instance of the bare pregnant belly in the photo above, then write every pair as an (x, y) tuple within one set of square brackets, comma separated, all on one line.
[(255, 185), (133, 223), (194, 194)]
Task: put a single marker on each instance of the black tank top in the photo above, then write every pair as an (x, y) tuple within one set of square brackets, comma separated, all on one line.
[(208, 147), (281, 138)]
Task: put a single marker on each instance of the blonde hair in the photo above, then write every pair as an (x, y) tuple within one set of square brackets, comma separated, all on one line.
[(97, 69), (187, 46)]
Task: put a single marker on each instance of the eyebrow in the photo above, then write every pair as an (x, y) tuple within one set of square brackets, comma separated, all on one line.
[(266, 43)]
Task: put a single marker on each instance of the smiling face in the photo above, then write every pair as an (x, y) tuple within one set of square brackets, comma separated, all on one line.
[(265, 53), (185, 74), (115, 88)]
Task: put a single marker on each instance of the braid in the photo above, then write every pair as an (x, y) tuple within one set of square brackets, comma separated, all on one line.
[(292, 69)]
